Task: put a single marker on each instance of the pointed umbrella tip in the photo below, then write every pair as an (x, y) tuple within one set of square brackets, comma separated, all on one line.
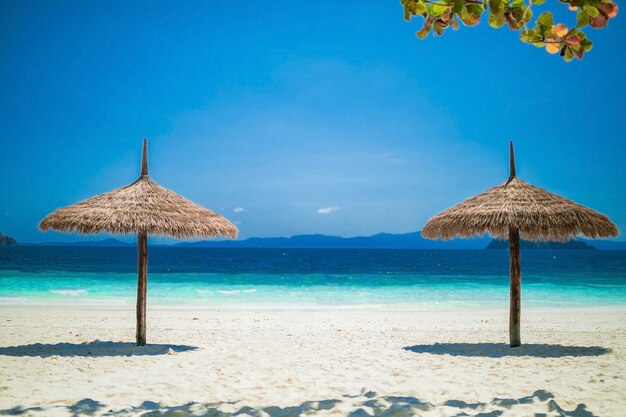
[(511, 160), (144, 158)]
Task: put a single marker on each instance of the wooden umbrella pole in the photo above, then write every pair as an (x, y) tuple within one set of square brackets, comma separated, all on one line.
[(516, 288), (142, 286)]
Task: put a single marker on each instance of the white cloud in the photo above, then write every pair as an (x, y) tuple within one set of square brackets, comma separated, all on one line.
[(326, 210), (239, 209)]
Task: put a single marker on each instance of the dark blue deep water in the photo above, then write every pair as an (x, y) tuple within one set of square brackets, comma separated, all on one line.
[(310, 277)]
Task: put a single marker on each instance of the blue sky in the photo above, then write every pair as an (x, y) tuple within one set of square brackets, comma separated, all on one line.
[(286, 108)]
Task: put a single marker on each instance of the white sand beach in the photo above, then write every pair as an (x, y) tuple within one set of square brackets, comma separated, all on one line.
[(70, 361)]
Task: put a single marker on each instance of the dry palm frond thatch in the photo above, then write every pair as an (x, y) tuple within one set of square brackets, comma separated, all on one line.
[(141, 206), (536, 213)]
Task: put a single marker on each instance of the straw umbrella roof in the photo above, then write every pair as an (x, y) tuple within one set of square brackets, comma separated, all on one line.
[(517, 209), (538, 215), (143, 206)]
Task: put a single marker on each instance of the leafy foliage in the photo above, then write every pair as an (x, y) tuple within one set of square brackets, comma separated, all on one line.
[(570, 43)]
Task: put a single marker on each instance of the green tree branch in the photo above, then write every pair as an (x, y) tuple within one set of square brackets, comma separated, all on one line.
[(570, 43)]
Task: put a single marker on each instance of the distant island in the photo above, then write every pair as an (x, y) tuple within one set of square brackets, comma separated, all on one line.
[(7, 240), (525, 244), (607, 244)]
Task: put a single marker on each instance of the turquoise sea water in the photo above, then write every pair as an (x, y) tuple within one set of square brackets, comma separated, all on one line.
[(306, 278)]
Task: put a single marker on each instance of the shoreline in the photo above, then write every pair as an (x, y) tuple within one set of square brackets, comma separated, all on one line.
[(308, 307)]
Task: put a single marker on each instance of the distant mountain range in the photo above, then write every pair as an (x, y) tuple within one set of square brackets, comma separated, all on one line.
[(378, 241), (104, 242)]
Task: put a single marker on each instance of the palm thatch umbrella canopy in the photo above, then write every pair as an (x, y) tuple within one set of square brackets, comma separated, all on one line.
[(144, 208), (513, 209)]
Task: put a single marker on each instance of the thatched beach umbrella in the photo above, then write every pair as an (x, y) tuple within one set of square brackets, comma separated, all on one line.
[(513, 209), (144, 208)]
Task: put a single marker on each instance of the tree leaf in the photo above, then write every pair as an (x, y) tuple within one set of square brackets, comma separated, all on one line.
[(438, 27), (531, 36), (567, 55), (582, 19), (545, 20), (458, 6), (422, 33), (598, 22), (590, 10), (496, 6), (469, 19), (560, 30), (496, 20), (475, 9), (438, 9), (608, 9), (419, 8), (553, 48), (572, 40)]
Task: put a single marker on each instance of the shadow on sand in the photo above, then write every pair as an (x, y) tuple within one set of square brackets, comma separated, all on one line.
[(366, 404), (499, 350), (84, 407), (93, 349)]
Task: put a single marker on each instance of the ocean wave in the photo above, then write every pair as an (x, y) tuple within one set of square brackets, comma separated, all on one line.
[(13, 299), (303, 306), (105, 301), (229, 292), (73, 293)]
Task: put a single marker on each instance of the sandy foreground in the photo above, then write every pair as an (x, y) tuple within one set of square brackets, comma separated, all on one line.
[(72, 361)]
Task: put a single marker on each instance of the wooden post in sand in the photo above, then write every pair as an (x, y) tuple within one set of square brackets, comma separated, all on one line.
[(516, 288), (142, 286), (515, 270), (142, 265)]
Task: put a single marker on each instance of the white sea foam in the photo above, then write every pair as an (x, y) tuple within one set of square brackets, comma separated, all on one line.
[(303, 306), (199, 291), (10, 300), (105, 301), (73, 293), (229, 292)]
